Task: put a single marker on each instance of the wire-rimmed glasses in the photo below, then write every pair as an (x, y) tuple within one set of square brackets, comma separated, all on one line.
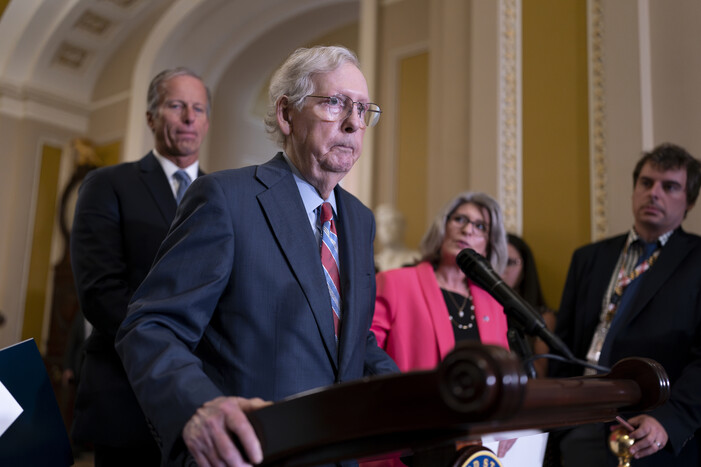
[(339, 107)]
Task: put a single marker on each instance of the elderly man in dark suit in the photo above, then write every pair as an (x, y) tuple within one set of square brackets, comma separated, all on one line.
[(639, 294), (242, 304), (122, 215)]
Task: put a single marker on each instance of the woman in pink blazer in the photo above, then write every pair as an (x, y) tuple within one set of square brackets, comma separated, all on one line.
[(421, 311)]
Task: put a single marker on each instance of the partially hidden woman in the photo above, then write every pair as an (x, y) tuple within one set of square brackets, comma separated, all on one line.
[(522, 276), (422, 310)]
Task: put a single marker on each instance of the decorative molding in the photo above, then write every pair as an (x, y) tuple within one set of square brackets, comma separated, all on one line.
[(93, 23), (597, 122), (71, 56), (124, 4), (645, 47), (37, 105), (117, 98), (510, 115)]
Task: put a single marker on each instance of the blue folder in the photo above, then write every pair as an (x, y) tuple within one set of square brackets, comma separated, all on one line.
[(38, 436)]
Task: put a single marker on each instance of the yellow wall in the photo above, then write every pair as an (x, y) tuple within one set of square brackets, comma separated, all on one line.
[(3, 5), (412, 154), (45, 217), (555, 142), (109, 153), (40, 262)]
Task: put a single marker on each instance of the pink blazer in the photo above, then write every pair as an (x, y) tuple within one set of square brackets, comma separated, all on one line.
[(411, 318)]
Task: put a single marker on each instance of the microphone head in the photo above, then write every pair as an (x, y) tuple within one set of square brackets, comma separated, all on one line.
[(478, 269), (466, 258)]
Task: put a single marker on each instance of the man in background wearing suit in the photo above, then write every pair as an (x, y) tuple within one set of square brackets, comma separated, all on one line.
[(639, 294), (237, 308), (122, 215)]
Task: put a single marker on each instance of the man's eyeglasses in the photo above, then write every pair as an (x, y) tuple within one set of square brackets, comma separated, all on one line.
[(480, 228), (340, 106)]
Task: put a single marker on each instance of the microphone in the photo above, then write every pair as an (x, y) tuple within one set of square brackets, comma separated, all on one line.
[(477, 268)]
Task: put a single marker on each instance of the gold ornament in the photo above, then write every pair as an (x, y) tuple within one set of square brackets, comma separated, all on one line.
[(620, 443)]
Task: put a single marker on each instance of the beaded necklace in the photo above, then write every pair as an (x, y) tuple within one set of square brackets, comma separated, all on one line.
[(461, 312)]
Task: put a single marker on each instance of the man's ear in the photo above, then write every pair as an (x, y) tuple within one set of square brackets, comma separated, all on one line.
[(284, 119), (149, 120)]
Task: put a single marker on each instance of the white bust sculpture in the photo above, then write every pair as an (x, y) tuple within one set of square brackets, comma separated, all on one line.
[(390, 232)]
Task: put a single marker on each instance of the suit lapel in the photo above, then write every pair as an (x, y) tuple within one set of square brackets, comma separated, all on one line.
[(157, 184), (350, 237), (435, 304), (605, 260), (282, 206), (671, 255)]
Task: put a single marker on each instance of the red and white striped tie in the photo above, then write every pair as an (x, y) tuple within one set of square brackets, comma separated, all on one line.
[(329, 260)]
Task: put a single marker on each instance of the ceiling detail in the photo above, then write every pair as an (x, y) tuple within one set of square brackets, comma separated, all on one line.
[(70, 56), (92, 23)]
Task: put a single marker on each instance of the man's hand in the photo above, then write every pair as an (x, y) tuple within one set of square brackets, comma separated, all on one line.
[(649, 435), (208, 433)]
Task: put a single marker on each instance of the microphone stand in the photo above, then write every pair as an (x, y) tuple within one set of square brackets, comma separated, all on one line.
[(519, 345)]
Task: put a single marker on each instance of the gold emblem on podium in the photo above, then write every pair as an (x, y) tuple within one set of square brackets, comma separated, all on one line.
[(482, 458)]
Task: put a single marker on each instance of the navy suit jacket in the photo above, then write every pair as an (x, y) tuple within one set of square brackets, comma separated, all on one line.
[(237, 304), (662, 323), (122, 215)]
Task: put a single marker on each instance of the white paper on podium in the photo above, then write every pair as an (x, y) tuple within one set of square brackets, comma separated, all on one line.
[(10, 410), (527, 451)]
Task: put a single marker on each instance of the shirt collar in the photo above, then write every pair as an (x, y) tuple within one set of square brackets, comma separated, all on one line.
[(169, 168), (310, 197), (634, 237)]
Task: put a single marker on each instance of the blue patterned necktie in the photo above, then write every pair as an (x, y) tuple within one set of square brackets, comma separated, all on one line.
[(183, 182)]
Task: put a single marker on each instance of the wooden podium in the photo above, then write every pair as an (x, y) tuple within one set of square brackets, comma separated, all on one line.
[(476, 390)]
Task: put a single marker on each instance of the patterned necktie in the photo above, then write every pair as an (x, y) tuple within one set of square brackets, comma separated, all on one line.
[(649, 255), (329, 260), (183, 182), (622, 307)]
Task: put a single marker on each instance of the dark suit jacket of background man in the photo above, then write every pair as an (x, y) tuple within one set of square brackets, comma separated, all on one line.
[(241, 304), (122, 216), (663, 323)]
